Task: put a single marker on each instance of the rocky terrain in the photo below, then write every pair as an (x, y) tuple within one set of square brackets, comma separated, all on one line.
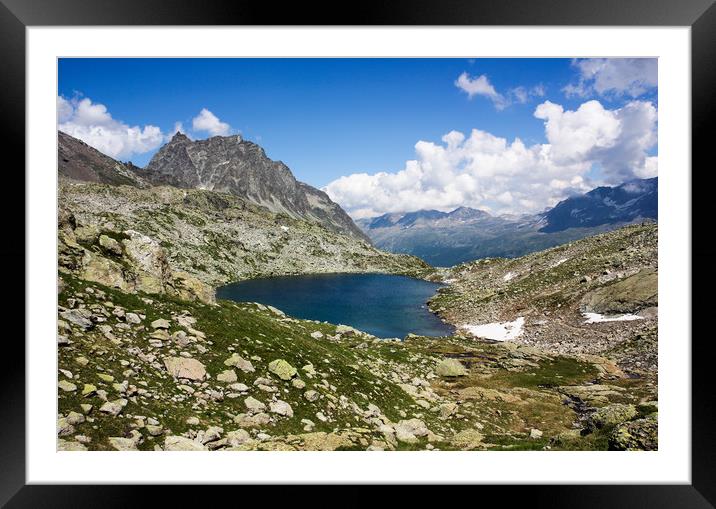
[(567, 299), (232, 165), (448, 238), (128, 238), (154, 372)]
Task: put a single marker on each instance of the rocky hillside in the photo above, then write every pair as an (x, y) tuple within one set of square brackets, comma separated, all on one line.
[(596, 296), (140, 239), (447, 238), (232, 165), (78, 161), (153, 372)]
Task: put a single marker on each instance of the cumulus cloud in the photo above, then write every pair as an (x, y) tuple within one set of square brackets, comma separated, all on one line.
[(481, 85), (617, 76), (501, 176), (93, 124), (210, 123)]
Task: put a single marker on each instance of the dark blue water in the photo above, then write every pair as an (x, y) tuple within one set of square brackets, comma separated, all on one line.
[(384, 305)]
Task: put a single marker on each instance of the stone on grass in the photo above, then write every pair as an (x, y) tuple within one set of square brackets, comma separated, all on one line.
[(67, 386), (227, 376), (253, 405), (239, 362), (311, 395), (535, 433), (281, 408), (282, 369), (113, 407), (612, 415), (188, 368), (179, 443), (160, 323), (450, 368), (132, 318)]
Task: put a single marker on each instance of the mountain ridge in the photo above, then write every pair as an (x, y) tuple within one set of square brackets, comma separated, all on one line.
[(464, 234), (220, 163)]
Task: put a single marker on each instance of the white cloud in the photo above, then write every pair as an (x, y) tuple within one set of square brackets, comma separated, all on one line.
[(481, 85), (491, 173), (93, 124), (618, 76), (207, 121)]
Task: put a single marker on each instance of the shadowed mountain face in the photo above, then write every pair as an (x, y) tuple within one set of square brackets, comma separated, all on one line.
[(449, 238), (629, 202), (232, 165), (78, 161)]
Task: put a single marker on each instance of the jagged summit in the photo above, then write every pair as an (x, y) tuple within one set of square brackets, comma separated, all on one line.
[(233, 165), (227, 164)]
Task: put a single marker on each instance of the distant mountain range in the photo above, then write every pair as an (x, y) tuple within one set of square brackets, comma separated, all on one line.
[(226, 164), (449, 238)]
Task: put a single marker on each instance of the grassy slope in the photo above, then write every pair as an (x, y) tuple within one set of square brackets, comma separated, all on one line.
[(507, 391)]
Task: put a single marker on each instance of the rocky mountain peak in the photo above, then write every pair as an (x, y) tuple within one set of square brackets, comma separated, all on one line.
[(232, 165)]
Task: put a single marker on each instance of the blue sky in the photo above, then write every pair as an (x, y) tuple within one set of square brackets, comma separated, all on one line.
[(331, 118)]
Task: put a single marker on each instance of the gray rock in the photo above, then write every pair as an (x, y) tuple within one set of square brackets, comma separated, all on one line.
[(180, 367), (253, 405), (281, 408), (179, 443)]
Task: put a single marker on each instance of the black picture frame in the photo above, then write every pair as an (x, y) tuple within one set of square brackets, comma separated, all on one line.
[(700, 15)]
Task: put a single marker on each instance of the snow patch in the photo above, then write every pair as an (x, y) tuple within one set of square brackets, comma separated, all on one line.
[(509, 276), (559, 262), (284, 228), (498, 331), (598, 318)]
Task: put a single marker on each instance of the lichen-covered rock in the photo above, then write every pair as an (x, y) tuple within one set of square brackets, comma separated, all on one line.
[(625, 296), (282, 369), (468, 439), (110, 245), (612, 415), (187, 287), (450, 368), (227, 376), (638, 435)]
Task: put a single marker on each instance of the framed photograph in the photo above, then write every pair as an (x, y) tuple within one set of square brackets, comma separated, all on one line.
[(438, 244)]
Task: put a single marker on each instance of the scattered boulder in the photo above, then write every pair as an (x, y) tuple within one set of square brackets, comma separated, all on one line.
[(113, 407), (182, 367), (282, 369), (69, 445), (638, 435), (535, 434), (227, 376), (311, 395), (66, 386), (612, 415), (239, 362), (281, 408), (468, 439), (450, 368), (179, 443), (160, 323), (253, 405)]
